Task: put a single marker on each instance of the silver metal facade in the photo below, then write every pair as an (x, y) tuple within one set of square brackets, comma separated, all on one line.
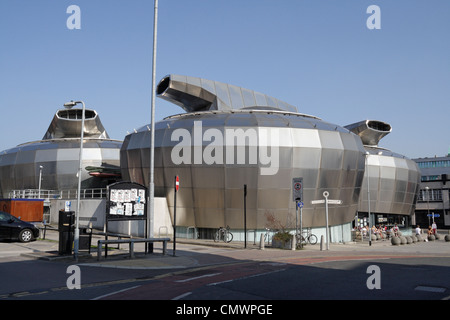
[(58, 154), (327, 156), (393, 179), (196, 94), (394, 183)]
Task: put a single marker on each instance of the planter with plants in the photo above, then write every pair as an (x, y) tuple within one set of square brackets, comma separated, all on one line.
[(282, 239)]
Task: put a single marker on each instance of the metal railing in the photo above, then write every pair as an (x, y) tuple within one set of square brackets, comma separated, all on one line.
[(94, 193)]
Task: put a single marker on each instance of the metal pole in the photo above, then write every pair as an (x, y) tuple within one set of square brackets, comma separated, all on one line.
[(296, 217), (150, 224), (175, 216), (301, 226), (77, 216), (40, 180), (325, 194), (368, 198), (245, 216), (428, 203)]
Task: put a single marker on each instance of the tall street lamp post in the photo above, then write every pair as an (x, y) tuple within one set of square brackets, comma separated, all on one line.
[(151, 208), (368, 197), (76, 239)]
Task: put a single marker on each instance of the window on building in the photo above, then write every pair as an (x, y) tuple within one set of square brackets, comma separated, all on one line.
[(434, 164), (430, 195)]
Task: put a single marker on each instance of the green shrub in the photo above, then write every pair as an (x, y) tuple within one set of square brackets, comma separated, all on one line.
[(282, 236)]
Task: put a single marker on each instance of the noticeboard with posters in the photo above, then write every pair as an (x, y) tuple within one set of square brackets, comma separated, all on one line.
[(126, 201)]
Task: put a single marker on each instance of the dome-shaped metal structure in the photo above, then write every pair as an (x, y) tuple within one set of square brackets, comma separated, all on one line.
[(394, 179), (58, 155), (233, 137)]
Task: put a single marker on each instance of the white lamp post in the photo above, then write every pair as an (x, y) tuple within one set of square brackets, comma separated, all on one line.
[(40, 180), (76, 239)]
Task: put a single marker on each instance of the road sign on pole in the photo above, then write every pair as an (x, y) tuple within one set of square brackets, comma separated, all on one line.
[(334, 201), (297, 197), (327, 202), (297, 189)]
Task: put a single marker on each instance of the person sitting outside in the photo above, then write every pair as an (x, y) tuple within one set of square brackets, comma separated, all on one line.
[(434, 228), (418, 230), (374, 230), (380, 232), (395, 229)]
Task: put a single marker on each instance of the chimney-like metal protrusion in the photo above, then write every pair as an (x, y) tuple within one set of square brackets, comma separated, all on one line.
[(67, 124), (370, 131), (196, 94)]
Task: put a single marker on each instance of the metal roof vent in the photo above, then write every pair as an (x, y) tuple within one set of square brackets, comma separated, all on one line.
[(67, 124)]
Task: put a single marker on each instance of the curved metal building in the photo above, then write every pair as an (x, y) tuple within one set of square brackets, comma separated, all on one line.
[(393, 179), (231, 137), (58, 155)]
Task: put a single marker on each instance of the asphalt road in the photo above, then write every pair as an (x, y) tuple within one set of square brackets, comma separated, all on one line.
[(400, 279), (346, 272)]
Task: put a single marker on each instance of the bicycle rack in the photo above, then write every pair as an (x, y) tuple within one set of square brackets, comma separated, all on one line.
[(193, 234), (254, 235), (163, 227)]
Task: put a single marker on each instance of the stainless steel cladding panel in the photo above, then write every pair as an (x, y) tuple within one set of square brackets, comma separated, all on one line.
[(394, 182), (216, 152), (196, 94)]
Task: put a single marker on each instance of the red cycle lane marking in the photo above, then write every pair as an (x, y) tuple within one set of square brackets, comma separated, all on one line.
[(174, 286)]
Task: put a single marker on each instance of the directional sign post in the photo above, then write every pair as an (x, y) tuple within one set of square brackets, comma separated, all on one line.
[(326, 201), (297, 197), (435, 215), (299, 204)]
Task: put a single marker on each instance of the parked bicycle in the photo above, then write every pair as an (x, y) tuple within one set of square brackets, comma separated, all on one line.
[(223, 234), (309, 237)]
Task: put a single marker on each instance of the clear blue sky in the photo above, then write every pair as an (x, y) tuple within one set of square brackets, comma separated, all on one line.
[(318, 55)]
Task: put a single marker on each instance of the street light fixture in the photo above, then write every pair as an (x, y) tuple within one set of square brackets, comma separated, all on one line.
[(69, 105)]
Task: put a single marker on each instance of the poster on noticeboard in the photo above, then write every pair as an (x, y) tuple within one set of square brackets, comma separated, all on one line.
[(126, 201)]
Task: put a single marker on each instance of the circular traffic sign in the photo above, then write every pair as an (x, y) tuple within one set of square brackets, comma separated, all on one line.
[(297, 186)]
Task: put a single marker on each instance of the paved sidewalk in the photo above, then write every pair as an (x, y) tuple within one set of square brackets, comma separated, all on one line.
[(198, 253)]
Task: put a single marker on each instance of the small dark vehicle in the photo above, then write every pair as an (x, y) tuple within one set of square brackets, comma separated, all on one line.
[(12, 228)]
